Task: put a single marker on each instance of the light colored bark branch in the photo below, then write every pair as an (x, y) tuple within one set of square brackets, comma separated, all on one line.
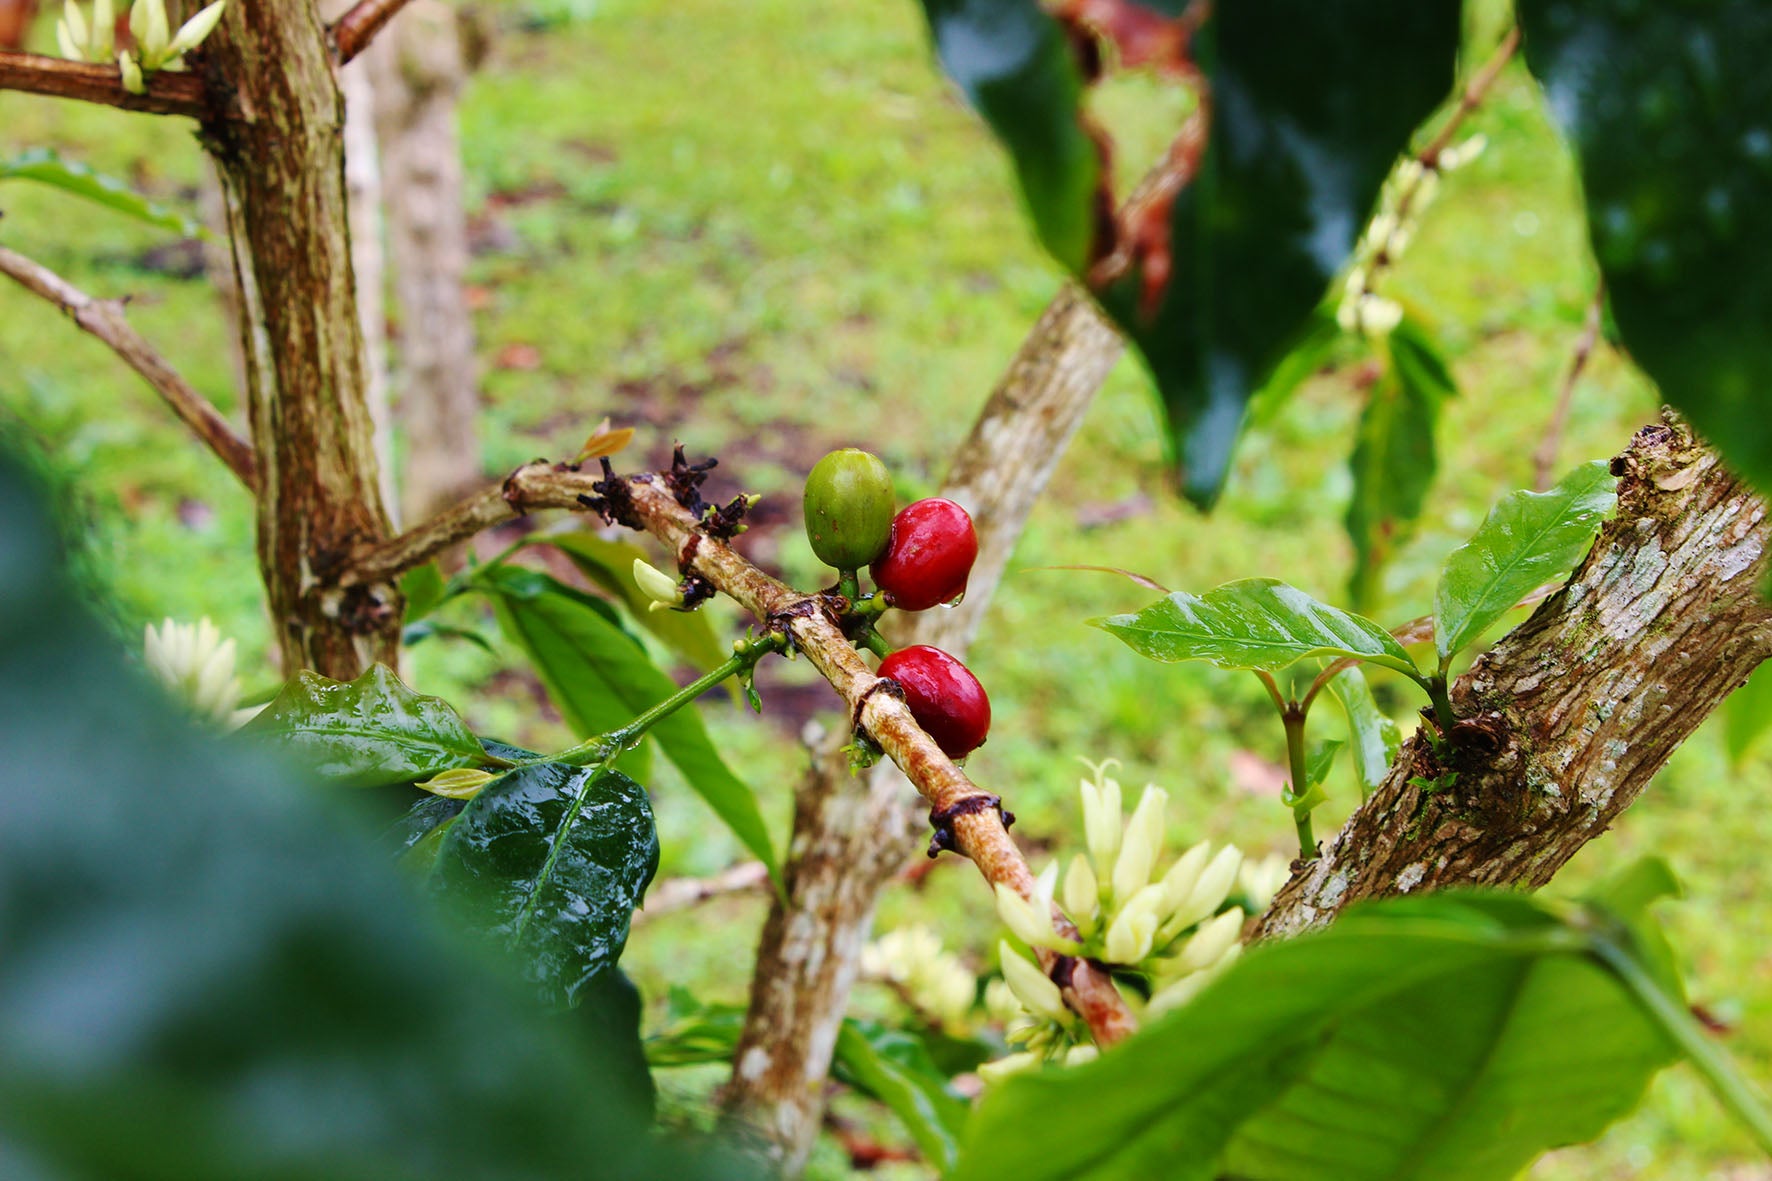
[(674, 894), (105, 320), (1565, 721), (169, 92), (352, 32)]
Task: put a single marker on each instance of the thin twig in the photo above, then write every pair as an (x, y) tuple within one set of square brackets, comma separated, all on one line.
[(169, 92), (105, 320), (1544, 460), (674, 894), (352, 32)]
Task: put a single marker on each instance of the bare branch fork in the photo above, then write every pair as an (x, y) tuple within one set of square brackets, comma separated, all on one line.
[(105, 320), (352, 32)]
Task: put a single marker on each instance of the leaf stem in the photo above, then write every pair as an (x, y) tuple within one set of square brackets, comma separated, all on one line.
[(1726, 1082), (876, 643), (1442, 699), (1292, 716)]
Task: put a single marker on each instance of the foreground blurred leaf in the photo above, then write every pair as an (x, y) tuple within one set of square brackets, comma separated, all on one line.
[(1747, 713), (1394, 460), (208, 973), (1253, 623), (1453, 1037), (1528, 539), (551, 860), (600, 677), (70, 176), (1310, 106), (367, 732), (1674, 136)]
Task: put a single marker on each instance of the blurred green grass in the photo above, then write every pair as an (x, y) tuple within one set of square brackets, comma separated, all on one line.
[(766, 230)]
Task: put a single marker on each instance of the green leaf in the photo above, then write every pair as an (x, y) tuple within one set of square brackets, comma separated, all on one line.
[(1013, 63), (1394, 459), (1305, 358), (1254, 623), (1676, 170), (895, 1068), (424, 588), (551, 860), (1452, 1037), (697, 1034), (1320, 761), (1747, 713), (1528, 539), (610, 564), (1373, 737), (368, 732), (209, 971), (70, 176), (424, 629), (600, 677)]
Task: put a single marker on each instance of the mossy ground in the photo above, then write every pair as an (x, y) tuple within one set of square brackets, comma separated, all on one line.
[(767, 230)]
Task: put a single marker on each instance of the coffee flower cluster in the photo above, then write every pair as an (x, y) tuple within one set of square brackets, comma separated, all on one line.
[(932, 981), (156, 45), (1170, 932), (196, 663)]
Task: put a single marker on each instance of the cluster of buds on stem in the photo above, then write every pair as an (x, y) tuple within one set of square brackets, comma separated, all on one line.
[(196, 663), (932, 981), (1163, 937), (157, 47), (1409, 190)]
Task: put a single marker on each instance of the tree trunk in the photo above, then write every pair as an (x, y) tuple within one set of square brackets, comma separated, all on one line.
[(1565, 721), (278, 141), (853, 834), (420, 69)]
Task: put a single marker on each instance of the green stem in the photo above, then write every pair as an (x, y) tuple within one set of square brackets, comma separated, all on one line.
[(1442, 698), (876, 643), (848, 585), (1733, 1091), (871, 606), (1292, 717), (608, 746)]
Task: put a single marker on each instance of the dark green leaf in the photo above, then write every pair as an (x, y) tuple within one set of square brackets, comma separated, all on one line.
[(1255, 623), (1307, 356), (420, 821), (423, 588), (1372, 736), (210, 972), (1527, 539), (1452, 1037), (893, 1067), (1012, 61), (600, 677), (367, 732), (610, 564), (551, 861), (1676, 166), (1394, 460), (1747, 713), (70, 176)]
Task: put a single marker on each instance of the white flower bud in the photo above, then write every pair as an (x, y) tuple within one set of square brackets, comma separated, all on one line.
[(1081, 894), (656, 585), (1459, 155), (1030, 921), (1032, 987), (155, 33), (1101, 818), (1179, 882), (1261, 880), (76, 21), (1134, 929), (1409, 172), (1208, 893), (463, 783), (132, 73), (64, 41), (1002, 1068), (1000, 1003), (1377, 315), (1378, 233), (196, 664), (1142, 843), (1077, 1055), (104, 32), (1425, 191), (192, 32), (1215, 936)]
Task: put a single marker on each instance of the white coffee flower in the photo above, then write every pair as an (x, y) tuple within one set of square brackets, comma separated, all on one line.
[(196, 663)]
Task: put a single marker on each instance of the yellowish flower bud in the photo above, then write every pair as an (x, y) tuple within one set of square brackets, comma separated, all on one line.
[(1178, 883), (192, 32), (1002, 1068), (1142, 843), (1102, 818), (656, 585), (1208, 893), (1081, 894), (132, 73), (463, 783), (1215, 937), (1032, 987), (1077, 1055), (1134, 929)]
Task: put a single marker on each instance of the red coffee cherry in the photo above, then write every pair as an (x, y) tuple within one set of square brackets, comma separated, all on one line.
[(944, 696), (929, 556)]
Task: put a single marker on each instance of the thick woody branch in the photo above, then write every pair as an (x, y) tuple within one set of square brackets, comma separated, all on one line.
[(105, 320), (1565, 721), (352, 32), (168, 92)]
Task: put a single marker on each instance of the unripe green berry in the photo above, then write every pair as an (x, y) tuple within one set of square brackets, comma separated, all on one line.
[(848, 507)]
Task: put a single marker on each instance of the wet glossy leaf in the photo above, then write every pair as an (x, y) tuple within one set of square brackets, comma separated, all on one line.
[(1674, 136), (610, 564), (1528, 539), (45, 166), (1254, 623), (1394, 459), (223, 977), (1373, 738), (1747, 713), (551, 860), (1452, 1037), (600, 677), (1011, 60), (367, 732), (894, 1067)]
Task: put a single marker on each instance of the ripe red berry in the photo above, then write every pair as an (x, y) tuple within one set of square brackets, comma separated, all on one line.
[(944, 696), (929, 557)]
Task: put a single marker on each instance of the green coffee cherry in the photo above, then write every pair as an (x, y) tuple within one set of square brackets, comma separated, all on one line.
[(848, 508)]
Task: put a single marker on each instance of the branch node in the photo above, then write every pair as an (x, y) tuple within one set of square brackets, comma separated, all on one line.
[(942, 820)]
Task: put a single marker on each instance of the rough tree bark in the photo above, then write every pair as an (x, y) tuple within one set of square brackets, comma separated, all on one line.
[(852, 833), (1564, 722), (420, 68), (277, 138)]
